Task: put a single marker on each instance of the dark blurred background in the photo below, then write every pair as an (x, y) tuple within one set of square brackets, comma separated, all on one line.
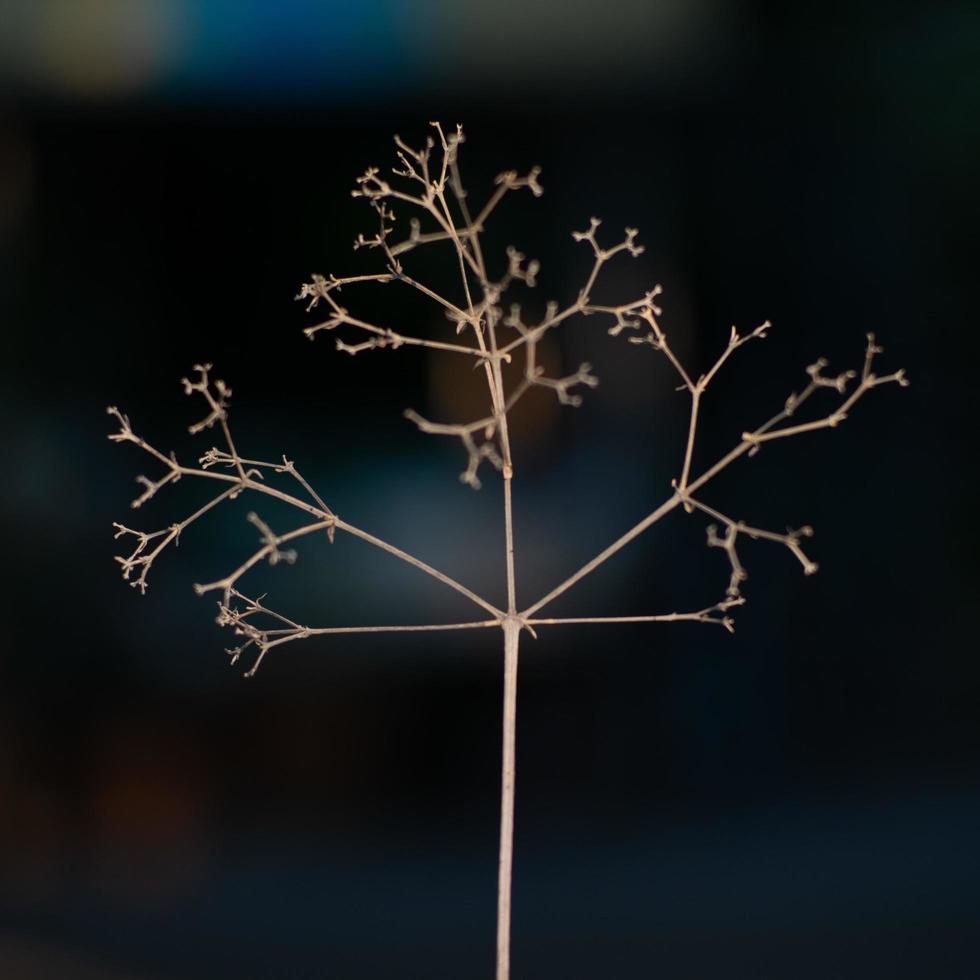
[(800, 799)]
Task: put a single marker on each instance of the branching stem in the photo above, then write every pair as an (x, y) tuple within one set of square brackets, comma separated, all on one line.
[(435, 193)]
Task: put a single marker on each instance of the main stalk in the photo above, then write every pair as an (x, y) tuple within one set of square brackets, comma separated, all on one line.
[(512, 632), (511, 624)]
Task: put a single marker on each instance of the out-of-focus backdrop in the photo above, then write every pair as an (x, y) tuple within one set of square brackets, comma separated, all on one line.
[(799, 799)]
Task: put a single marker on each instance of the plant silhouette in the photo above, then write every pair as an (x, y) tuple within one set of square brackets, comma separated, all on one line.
[(494, 338)]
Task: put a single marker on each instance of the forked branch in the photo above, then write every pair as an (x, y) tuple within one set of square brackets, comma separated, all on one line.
[(750, 444), (246, 476)]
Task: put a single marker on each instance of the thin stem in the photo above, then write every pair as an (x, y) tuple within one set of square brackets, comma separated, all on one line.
[(509, 541), (740, 450), (512, 627), (385, 337), (432, 628), (701, 616), (636, 530), (493, 372), (794, 430), (250, 484), (691, 433), (512, 631), (508, 472), (268, 550), (492, 202), (421, 565)]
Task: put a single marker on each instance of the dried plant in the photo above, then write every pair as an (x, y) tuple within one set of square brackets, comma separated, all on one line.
[(492, 337)]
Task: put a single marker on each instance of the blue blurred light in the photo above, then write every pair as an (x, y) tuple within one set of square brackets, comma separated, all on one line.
[(268, 50)]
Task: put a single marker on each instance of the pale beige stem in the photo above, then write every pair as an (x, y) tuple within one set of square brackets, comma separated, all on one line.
[(691, 434), (636, 530), (509, 542), (512, 632), (433, 628), (512, 626), (701, 616), (421, 565)]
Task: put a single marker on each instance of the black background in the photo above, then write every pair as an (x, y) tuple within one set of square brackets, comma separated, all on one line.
[(799, 799)]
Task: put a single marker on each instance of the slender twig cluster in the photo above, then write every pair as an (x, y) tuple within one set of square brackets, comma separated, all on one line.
[(504, 347)]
